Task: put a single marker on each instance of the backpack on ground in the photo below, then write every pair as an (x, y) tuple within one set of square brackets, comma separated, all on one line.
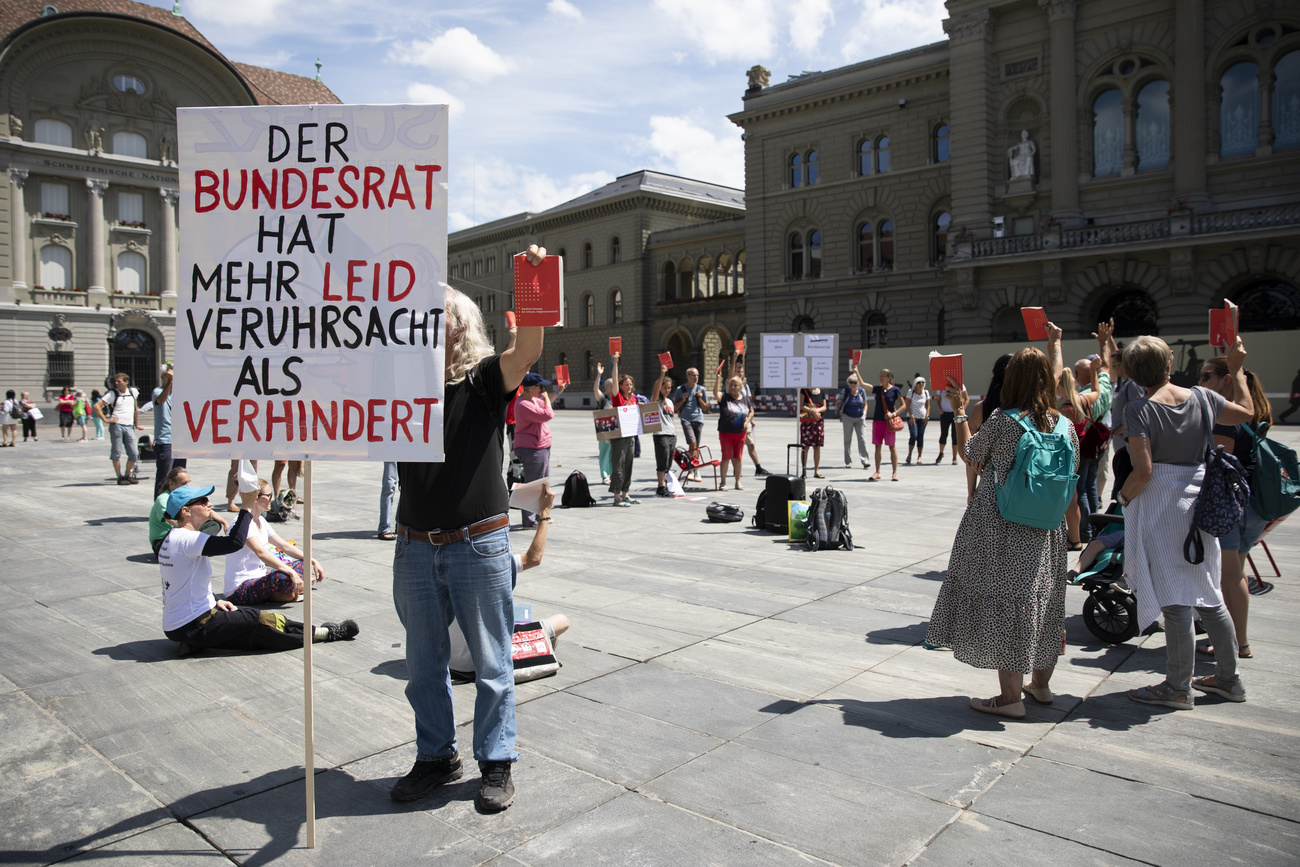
[(1275, 484), (1042, 480), (724, 513), (577, 493), (281, 509), (759, 518), (828, 520)]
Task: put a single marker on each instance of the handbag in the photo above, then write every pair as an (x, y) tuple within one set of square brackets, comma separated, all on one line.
[(896, 423)]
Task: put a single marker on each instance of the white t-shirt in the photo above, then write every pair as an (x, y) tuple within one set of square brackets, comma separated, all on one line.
[(944, 404), (186, 577), (124, 409), (919, 404), (244, 564), (8, 405)]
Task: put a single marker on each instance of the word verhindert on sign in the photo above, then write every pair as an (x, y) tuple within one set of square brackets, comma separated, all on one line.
[(310, 322)]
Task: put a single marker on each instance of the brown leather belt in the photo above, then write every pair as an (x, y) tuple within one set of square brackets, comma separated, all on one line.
[(449, 536)]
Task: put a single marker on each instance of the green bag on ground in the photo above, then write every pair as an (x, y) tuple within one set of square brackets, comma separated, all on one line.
[(1275, 484)]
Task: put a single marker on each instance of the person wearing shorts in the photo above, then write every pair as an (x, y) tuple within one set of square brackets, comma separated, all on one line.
[(691, 402), (735, 411), (889, 399), (123, 418)]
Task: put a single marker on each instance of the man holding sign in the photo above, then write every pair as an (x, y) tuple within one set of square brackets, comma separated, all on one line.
[(453, 560)]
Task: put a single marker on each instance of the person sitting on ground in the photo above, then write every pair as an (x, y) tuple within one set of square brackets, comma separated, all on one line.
[(159, 526), (267, 568), (196, 619)]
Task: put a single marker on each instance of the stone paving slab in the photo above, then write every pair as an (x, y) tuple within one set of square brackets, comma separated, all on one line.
[(164, 846), (975, 840)]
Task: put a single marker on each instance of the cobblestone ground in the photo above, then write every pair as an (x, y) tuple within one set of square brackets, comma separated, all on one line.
[(726, 698)]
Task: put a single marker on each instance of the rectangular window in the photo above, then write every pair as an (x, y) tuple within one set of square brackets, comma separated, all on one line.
[(491, 264), (130, 207), (58, 369), (54, 199), (478, 267)]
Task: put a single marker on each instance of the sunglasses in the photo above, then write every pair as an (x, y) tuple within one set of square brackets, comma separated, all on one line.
[(201, 501), (262, 494)]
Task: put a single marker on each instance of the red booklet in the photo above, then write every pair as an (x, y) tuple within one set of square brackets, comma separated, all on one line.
[(616, 345), (942, 367), (1223, 325), (855, 358), (538, 292), (1035, 322), (562, 374), (666, 359), (740, 347)]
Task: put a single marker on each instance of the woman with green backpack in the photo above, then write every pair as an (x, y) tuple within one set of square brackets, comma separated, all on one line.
[(1002, 605)]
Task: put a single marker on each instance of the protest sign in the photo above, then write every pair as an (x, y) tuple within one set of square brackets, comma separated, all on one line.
[(942, 367), (538, 290), (310, 320), (1035, 323), (627, 421)]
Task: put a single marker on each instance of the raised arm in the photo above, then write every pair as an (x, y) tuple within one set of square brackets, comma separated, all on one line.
[(659, 383), (600, 380), (1241, 408), (1054, 356), (717, 386), (527, 345), (166, 389)]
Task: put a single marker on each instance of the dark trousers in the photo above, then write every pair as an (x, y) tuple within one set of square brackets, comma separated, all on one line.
[(164, 463), (537, 465), (945, 425), (1120, 467), (620, 453), (241, 629), (29, 428)]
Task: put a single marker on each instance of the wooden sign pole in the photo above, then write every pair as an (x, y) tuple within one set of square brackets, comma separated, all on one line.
[(309, 759)]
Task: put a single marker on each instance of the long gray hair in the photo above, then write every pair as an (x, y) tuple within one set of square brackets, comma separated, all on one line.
[(467, 341)]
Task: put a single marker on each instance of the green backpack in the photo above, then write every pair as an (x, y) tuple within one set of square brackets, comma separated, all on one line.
[(1042, 480), (1275, 484)]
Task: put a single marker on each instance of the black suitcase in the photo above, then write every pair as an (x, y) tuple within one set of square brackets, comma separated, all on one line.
[(780, 490)]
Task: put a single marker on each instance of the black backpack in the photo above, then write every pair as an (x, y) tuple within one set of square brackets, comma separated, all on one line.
[(281, 509), (828, 520), (759, 519), (576, 492), (724, 513)]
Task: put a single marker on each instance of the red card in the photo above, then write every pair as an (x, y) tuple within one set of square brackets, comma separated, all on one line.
[(855, 357), (942, 367), (720, 366), (1035, 322), (740, 347), (510, 319), (538, 290), (616, 345), (666, 359), (562, 374)]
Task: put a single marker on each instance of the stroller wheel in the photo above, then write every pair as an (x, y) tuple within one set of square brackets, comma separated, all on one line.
[(1111, 615)]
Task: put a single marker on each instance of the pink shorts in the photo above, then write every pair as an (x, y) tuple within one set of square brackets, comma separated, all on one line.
[(882, 433), (733, 445)]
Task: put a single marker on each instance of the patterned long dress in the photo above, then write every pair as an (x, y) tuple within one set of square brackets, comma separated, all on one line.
[(1002, 605)]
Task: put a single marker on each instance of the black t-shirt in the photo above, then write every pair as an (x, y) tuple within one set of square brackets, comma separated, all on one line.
[(1243, 445), (732, 413), (886, 400), (468, 486)]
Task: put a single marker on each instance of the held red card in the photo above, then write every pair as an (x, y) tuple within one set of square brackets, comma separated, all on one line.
[(562, 374), (666, 359), (740, 347), (1223, 328), (510, 319), (538, 290), (616, 345), (1035, 322), (855, 357), (942, 367)]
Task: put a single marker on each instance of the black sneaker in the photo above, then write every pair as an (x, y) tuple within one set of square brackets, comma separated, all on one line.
[(345, 631), (662, 491), (185, 649), (123, 480), (424, 777), (759, 471), (495, 791)]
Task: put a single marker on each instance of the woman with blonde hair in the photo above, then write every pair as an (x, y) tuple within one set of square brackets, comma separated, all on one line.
[(1169, 432), (1002, 605)]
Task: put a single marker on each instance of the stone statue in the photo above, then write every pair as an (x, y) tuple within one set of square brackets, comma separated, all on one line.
[(1021, 157), (15, 126), (168, 149), (758, 77), (94, 138)]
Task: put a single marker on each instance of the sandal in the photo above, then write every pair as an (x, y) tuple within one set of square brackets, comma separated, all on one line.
[(1040, 694), (387, 535), (895, 478), (876, 477), (1011, 710), (817, 475), (1162, 694), (1236, 692), (1204, 648)]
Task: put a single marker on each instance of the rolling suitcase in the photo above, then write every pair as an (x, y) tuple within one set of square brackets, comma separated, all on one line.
[(780, 490)]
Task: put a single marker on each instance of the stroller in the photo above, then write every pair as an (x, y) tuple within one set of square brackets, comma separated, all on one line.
[(1109, 612)]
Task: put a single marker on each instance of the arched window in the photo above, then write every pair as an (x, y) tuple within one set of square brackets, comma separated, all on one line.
[(130, 144), (670, 281), (53, 132), (885, 246), (56, 267), (686, 277), (726, 279), (882, 154), (796, 256), (804, 323), (1239, 110), (806, 254), (941, 142), (616, 307), (586, 255), (1133, 311), (866, 248), (589, 308), (864, 157), (1153, 126), (131, 273), (128, 84), (942, 221), (812, 167), (615, 254), (1268, 305), (815, 253), (740, 273), (875, 329), (1008, 326), (1107, 134), (796, 170), (588, 370), (1286, 102)]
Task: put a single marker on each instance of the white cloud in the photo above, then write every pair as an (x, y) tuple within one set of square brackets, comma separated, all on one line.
[(241, 13), (456, 52), (888, 26), (808, 20), (564, 9), (430, 94), (725, 29), (488, 188), (684, 147)]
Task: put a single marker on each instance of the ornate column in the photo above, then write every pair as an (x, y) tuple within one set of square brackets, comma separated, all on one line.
[(1266, 82), (96, 292), (1063, 108), (17, 231), (168, 241), (1128, 105), (969, 51), (1189, 98)]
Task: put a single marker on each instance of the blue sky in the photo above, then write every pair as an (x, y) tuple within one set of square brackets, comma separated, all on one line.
[(551, 98)]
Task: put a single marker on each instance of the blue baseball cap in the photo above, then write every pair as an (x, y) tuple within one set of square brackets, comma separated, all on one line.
[(183, 496), (531, 379)]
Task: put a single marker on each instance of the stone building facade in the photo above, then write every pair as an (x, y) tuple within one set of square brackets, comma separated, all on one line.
[(652, 258), (1112, 158), (88, 230)]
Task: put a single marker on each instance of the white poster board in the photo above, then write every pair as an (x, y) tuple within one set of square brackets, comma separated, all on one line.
[(793, 361), (309, 322)]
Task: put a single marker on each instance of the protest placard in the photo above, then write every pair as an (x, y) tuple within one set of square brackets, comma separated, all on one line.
[(1035, 322), (538, 291), (942, 367), (310, 320)]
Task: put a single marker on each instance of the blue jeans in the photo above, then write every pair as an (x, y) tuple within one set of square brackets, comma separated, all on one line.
[(386, 496), (1086, 490), (470, 581)]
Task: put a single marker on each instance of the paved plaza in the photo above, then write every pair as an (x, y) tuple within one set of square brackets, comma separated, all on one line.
[(725, 698)]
